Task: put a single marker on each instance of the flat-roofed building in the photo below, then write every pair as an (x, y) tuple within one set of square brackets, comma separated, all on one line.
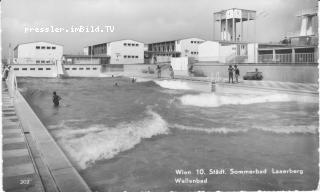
[(40, 52), (120, 52), (164, 50)]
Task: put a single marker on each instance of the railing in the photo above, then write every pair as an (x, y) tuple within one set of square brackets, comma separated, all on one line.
[(287, 58), (283, 58), (304, 58)]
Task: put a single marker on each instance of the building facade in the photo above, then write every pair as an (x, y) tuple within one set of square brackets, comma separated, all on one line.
[(120, 52), (37, 53), (163, 51)]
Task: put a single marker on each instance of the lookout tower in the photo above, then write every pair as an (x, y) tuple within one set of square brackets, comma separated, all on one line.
[(229, 21)]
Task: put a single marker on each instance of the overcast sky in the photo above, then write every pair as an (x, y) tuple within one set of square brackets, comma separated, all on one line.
[(142, 20)]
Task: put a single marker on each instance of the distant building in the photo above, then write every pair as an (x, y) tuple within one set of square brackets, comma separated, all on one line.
[(120, 52), (37, 53), (163, 51)]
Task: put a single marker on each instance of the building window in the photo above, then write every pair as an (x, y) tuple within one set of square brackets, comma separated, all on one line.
[(74, 68), (137, 56), (129, 44), (32, 69), (48, 69), (24, 69), (42, 61), (81, 68), (88, 68), (67, 69), (94, 68), (37, 61), (43, 47), (191, 41), (137, 45), (16, 69), (125, 56), (48, 47), (125, 44), (129, 56), (53, 47), (47, 61), (37, 47), (40, 69)]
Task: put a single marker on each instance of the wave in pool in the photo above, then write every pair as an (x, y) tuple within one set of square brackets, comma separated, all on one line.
[(173, 84), (214, 100), (97, 142), (303, 129)]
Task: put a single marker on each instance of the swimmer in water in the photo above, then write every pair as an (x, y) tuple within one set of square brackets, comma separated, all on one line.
[(56, 98), (116, 85)]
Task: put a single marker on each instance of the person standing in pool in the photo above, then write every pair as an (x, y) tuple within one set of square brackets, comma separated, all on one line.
[(56, 98), (171, 72), (159, 71), (237, 72), (230, 69)]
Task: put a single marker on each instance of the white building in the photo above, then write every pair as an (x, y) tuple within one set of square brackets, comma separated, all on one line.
[(120, 52), (164, 50), (227, 52), (37, 53)]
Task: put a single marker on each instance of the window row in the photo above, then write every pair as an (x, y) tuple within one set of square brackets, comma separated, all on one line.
[(31, 69), (43, 61), (45, 47), (194, 52), (131, 56), (131, 44), (196, 42), (80, 68)]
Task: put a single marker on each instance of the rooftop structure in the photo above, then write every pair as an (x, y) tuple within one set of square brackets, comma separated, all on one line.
[(229, 21)]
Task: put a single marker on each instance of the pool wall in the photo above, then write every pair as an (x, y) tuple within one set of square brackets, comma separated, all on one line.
[(62, 171), (297, 73)]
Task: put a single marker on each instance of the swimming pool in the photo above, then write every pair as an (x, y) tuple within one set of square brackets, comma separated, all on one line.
[(137, 136)]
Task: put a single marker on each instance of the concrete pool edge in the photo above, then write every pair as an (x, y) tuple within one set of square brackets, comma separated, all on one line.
[(64, 174)]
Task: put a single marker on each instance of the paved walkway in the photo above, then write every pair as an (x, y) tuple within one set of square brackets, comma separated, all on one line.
[(19, 172)]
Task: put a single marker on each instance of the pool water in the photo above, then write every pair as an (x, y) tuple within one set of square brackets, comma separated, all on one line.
[(135, 136)]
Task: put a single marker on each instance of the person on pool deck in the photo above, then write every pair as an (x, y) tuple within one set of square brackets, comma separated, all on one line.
[(237, 72), (230, 69), (56, 98)]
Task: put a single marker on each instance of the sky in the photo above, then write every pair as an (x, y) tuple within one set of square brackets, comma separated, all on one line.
[(142, 20)]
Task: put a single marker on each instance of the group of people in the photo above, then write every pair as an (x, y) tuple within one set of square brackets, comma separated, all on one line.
[(234, 71)]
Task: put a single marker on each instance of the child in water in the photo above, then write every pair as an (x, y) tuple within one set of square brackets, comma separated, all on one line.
[(56, 98)]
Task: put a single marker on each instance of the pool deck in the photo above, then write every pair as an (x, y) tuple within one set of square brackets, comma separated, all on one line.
[(19, 170)]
